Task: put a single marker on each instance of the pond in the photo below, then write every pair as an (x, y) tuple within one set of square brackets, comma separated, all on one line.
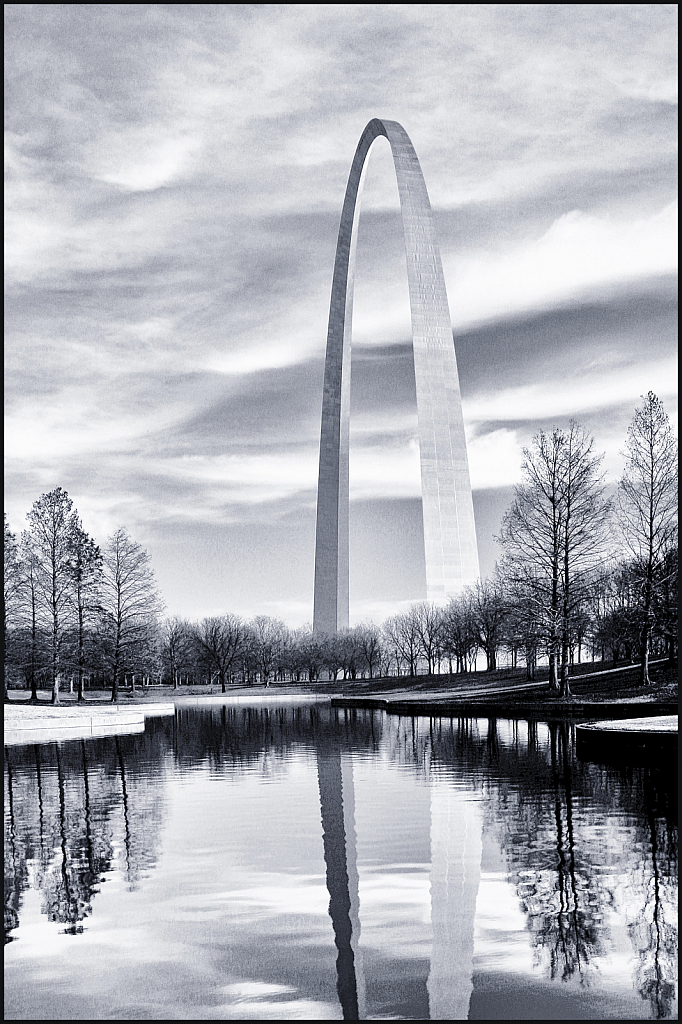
[(310, 863)]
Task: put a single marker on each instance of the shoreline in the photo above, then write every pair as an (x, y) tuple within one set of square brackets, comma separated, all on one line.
[(471, 696)]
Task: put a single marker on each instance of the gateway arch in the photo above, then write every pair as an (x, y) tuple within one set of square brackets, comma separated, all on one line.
[(448, 512)]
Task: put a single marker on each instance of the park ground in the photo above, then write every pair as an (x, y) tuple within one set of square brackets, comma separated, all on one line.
[(591, 682)]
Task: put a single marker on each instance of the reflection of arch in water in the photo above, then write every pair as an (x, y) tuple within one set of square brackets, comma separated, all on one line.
[(337, 804), (449, 529), (456, 847)]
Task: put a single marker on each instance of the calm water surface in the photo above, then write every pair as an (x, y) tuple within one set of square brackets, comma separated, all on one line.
[(304, 863)]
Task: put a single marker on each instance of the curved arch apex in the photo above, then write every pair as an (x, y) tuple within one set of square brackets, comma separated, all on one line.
[(449, 529)]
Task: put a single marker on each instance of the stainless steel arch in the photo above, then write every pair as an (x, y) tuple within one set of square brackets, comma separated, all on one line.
[(449, 528)]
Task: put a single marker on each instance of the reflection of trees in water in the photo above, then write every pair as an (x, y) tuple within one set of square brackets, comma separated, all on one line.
[(70, 805), (16, 872), (529, 804), (66, 886), (142, 805), (562, 894), (653, 918), (241, 737), (581, 839)]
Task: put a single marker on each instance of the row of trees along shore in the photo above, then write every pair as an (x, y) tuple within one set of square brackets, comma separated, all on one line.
[(579, 571)]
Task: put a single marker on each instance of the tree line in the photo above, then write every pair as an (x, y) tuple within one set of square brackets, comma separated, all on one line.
[(71, 609), (578, 571), (578, 565)]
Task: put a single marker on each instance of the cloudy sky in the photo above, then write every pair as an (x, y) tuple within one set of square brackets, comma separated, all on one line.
[(174, 180)]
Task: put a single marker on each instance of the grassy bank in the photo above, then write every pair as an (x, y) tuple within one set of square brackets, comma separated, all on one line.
[(593, 681)]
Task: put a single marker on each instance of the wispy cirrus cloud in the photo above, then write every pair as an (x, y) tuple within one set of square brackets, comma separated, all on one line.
[(579, 253), (174, 178)]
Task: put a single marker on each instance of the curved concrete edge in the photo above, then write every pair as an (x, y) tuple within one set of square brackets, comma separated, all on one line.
[(38, 727), (80, 731), (652, 725), (228, 698), (649, 742), (49, 724), (156, 710)]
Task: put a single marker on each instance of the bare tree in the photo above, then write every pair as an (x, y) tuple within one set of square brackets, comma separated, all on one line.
[(51, 538), (428, 623), (222, 640), (585, 521), (459, 636), (522, 628), (386, 658), (488, 612), (615, 611), (393, 642), (86, 572), (147, 659), (369, 643), (269, 638), (333, 650), (647, 508), (665, 604), (175, 639), (555, 534), (131, 601), (309, 654), (32, 635), (348, 649), (12, 587), (408, 627)]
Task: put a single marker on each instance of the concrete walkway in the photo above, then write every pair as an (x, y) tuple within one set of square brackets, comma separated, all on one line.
[(47, 723)]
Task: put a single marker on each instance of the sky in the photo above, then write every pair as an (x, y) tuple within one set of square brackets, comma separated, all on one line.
[(174, 177)]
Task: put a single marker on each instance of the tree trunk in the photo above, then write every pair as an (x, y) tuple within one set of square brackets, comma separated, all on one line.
[(646, 634), (119, 661), (565, 688), (114, 686), (55, 689), (34, 680), (644, 667)]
